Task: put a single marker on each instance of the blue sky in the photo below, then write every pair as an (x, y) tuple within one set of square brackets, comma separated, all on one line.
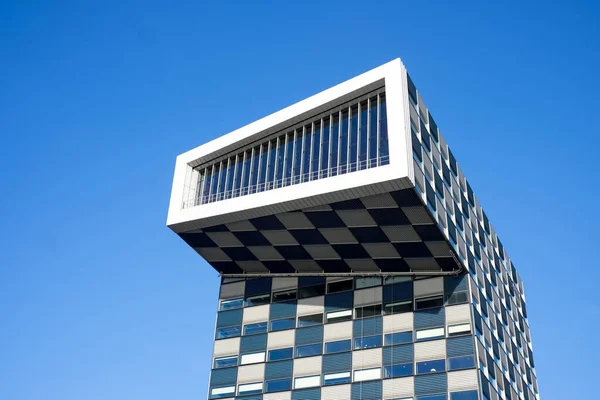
[(99, 300)]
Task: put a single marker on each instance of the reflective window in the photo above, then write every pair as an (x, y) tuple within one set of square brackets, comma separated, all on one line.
[(457, 298), (250, 388), (367, 311), (398, 370), (456, 330), (224, 362), (339, 316), (426, 334), (222, 392), (336, 379), (367, 342), (284, 295), (278, 385), (228, 332), (311, 291), (340, 286), (253, 358), (429, 302), (282, 324), (309, 350), (427, 367), (367, 374), (468, 395), (257, 300), (281, 354), (397, 338), (463, 362), (338, 346), (307, 381), (434, 397), (398, 307), (368, 281), (309, 320), (231, 304), (251, 329)]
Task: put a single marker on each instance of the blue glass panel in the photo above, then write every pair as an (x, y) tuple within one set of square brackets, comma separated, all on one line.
[(254, 169), (283, 324), (228, 332), (231, 304), (368, 342), (325, 150), (230, 176), (316, 143), (398, 370), (362, 145), (427, 367), (353, 139), (335, 126), (340, 345), (289, 158), (335, 380), (344, 142), (278, 385), (271, 164), (468, 395), (281, 354), (306, 153), (279, 162), (397, 338), (222, 395), (225, 362), (461, 362), (251, 329), (434, 397), (309, 350), (297, 156), (384, 147)]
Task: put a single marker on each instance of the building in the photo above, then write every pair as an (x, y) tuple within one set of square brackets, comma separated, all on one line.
[(356, 261)]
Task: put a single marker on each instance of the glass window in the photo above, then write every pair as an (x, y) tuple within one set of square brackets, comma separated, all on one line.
[(390, 280), (254, 169), (224, 362), (311, 291), (353, 138), (306, 153), (251, 329), (283, 324), (262, 169), (316, 144), (372, 151), (279, 162), (338, 316), (434, 397), (367, 282), (250, 388), (271, 163), (336, 379), (309, 320), (230, 176), (457, 298), (231, 304), (362, 133), (281, 354), (344, 143), (278, 385), (229, 331), (222, 392), (284, 295), (334, 143), (397, 338), (429, 302), (367, 374), (468, 395), (427, 367), (463, 362), (367, 342), (325, 149), (338, 346), (340, 286), (398, 307), (367, 311), (258, 300), (434, 333), (398, 370), (222, 177), (297, 156), (309, 350), (253, 358), (384, 148), (238, 175), (246, 172), (456, 330), (307, 381), (289, 154)]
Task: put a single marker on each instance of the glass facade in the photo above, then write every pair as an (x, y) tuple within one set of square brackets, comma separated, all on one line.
[(347, 139)]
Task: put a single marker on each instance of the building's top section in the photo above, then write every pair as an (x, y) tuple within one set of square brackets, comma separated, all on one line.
[(369, 136)]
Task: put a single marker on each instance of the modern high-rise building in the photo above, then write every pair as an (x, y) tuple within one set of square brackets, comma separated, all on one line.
[(356, 262)]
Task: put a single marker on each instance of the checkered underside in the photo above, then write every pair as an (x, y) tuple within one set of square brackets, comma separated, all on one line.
[(390, 232)]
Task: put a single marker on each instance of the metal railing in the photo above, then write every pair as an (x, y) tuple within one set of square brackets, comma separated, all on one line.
[(288, 181)]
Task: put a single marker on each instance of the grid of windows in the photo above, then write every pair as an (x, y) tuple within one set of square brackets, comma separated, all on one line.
[(347, 139)]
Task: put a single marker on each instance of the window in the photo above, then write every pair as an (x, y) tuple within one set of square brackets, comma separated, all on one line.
[(309, 320), (278, 385), (367, 311), (281, 354), (257, 300), (219, 393), (250, 388), (338, 316), (284, 295), (457, 298), (456, 330), (429, 302), (253, 358), (367, 374), (224, 362), (283, 324), (468, 395), (367, 282), (398, 370), (339, 346), (398, 307), (311, 291), (336, 379), (427, 367), (434, 397), (367, 342), (463, 362), (231, 304), (228, 332), (397, 338), (309, 350), (430, 333), (340, 286), (251, 329), (307, 381)]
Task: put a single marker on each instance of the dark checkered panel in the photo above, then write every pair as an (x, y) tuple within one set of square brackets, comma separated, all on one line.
[(391, 232)]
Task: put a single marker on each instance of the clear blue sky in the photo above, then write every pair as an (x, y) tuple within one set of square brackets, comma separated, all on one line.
[(99, 300)]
